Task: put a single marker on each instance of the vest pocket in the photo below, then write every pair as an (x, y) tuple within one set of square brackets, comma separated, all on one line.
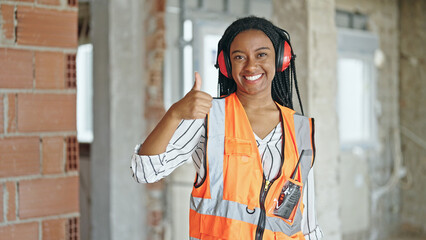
[(242, 176), (240, 179), (287, 201)]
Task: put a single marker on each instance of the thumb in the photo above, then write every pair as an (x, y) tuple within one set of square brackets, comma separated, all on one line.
[(197, 83)]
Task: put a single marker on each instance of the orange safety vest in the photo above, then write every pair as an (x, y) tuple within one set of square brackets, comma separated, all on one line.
[(234, 200)]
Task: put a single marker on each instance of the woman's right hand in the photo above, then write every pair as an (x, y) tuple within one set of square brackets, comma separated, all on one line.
[(195, 105)]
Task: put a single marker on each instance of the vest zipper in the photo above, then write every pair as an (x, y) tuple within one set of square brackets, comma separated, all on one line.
[(262, 218), (266, 184)]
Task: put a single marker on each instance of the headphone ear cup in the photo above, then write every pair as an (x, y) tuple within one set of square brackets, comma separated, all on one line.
[(224, 64), (283, 57)]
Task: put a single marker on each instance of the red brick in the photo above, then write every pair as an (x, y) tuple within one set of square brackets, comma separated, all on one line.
[(49, 2), (72, 3), (71, 73), (11, 113), (1, 114), (46, 27), (19, 156), (73, 228), (160, 185), (46, 197), (72, 154), (11, 201), (155, 41), (155, 218), (160, 23), (16, 68), (54, 229), (160, 5), (46, 112), (7, 19), (1, 203), (27, 231), (49, 70), (53, 155), (155, 7)]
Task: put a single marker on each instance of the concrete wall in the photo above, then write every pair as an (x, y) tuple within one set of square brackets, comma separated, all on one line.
[(118, 204), (312, 26), (412, 87), (313, 36), (383, 190)]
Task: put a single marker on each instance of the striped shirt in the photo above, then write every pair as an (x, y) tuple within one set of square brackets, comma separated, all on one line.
[(188, 141)]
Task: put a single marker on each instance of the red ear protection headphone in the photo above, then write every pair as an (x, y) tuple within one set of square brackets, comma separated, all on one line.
[(282, 60)]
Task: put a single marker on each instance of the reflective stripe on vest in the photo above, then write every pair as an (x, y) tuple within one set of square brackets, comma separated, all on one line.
[(226, 205)]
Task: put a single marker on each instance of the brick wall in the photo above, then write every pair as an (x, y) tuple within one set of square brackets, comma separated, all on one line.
[(154, 106), (38, 149)]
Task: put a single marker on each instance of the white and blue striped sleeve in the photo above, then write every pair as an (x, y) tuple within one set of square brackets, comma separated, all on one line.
[(310, 227), (152, 168)]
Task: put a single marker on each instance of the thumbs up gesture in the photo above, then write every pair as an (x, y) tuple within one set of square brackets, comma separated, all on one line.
[(195, 105), (197, 82)]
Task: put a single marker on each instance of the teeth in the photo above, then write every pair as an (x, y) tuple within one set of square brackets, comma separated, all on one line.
[(253, 78)]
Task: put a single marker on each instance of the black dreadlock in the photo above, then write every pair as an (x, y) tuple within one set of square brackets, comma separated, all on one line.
[(283, 81)]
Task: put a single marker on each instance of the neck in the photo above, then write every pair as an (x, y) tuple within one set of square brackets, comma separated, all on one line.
[(255, 101)]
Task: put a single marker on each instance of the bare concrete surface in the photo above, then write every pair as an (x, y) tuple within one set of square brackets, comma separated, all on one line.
[(407, 238), (409, 234)]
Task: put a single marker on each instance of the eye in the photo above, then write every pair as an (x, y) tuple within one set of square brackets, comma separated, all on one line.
[(262, 55), (238, 57)]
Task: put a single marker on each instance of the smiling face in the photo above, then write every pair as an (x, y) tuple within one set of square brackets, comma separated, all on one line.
[(253, 63)]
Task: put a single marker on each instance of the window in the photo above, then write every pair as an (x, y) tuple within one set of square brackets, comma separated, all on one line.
[(188, 73), (356, 97), (206, 40), (354, 100), (85, 93)]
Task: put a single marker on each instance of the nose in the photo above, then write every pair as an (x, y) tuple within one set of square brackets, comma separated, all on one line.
[(251, 65)]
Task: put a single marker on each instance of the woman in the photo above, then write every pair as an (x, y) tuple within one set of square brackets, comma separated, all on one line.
[(253, 154)]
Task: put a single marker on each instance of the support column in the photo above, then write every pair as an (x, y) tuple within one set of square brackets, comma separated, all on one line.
[(118, 204), (322, 85), (313, 35)]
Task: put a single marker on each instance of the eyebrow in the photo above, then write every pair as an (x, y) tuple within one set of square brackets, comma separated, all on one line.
[(261, 48)]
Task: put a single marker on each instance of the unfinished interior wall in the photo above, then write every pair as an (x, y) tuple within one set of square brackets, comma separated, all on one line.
[(322, 89), (383, 189), (38, 146), (313, 35), (412, 87), (312, 26), (154, 25), (118, 203)]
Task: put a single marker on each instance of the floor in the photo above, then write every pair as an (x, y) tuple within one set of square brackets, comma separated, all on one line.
[(407, 237)]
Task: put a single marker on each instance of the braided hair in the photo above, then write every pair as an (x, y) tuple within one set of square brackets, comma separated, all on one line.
[(283, 81)]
